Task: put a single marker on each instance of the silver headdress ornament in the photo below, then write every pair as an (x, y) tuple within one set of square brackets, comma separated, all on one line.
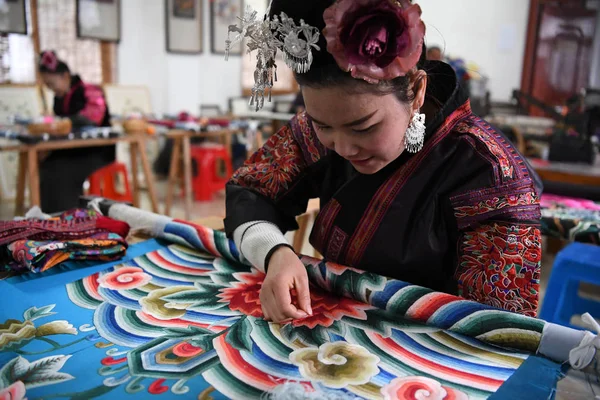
[(266, 37)]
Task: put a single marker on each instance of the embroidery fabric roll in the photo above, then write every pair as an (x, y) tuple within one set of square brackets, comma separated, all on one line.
[(398, 299)]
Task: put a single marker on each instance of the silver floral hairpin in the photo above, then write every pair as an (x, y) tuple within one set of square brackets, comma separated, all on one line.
[(297, 52), (266, 37)]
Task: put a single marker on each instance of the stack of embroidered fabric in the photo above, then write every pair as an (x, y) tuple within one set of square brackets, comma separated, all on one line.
[(572, 219), (40, 242)]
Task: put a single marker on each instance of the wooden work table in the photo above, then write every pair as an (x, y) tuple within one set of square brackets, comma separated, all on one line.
[(574, 174), (28, 166)]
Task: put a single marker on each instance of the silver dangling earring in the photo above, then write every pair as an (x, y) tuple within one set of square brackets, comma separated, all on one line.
[(415, 133)]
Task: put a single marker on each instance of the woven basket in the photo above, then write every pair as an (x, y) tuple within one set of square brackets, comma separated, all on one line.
[(135, 126), (59, 127)]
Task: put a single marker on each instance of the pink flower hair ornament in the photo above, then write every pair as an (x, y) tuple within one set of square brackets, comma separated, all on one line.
[(49, 60), (374, 40)]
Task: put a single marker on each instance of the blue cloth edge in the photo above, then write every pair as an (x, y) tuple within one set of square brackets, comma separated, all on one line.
[(536, 378)]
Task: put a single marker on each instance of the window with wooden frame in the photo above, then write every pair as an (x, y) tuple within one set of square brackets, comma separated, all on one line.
[(53, 27), (17, 61)]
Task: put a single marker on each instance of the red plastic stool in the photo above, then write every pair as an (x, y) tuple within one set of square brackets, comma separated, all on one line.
[(102, 183), (207, 180)]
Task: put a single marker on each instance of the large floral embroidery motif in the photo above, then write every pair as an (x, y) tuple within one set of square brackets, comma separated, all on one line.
[(337, 364), (208, 326), (243, 296), (499, 265)]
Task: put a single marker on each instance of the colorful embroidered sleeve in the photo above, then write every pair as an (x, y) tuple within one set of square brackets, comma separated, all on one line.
[(275, 183), (95, 105), (499, 241), (499, 265)]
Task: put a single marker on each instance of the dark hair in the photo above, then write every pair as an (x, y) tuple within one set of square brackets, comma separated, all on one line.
[(324, 71), (432, 48), (50, 63)]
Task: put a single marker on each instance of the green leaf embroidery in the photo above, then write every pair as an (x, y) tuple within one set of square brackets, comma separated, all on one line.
[(196, 298), (356, 285), (222, 265), (19, 368), (205, 342), (310, 337), (289, 333), (187, 332), (261, 322), (42, 372), (338, 327), (34, 313), (301, 333), (49, 379), (238, 335), (6, 378), (319, 335)]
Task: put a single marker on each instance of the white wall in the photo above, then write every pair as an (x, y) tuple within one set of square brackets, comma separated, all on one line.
[(471, 29), (491, 33), (176, 82)]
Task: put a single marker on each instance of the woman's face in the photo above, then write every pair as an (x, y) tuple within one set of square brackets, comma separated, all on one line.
[(58, 83), (366, 129)]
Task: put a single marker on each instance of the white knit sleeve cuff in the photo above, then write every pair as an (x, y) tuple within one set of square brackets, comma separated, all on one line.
[(256, 239)]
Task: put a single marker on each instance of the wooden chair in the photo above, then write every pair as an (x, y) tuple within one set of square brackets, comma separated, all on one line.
[(303, 220)]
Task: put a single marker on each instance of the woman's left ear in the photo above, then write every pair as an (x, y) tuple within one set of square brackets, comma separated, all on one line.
[(420, 84)]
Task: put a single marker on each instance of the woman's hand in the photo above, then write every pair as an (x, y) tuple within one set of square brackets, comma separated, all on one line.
[(285, 273)]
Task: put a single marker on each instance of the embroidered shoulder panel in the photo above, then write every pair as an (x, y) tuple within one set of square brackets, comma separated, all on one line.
[(272, 170), (499, 265), (512, 193), (506, 161)]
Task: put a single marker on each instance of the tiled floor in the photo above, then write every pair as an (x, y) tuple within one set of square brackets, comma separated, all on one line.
[(217, 208)]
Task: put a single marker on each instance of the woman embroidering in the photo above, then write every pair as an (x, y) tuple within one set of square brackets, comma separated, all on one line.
[(63, 172), (412, 185)]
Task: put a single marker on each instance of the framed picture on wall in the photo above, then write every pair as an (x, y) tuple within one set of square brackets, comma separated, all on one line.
[(99, 19), (184, 9), (183, 20), (13, 18), (222, 14)]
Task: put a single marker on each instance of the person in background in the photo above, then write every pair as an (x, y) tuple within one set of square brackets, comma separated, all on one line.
[(63, 172), (434, 53)]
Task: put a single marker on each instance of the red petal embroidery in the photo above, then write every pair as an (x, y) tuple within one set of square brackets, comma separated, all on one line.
[(157, 387)]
